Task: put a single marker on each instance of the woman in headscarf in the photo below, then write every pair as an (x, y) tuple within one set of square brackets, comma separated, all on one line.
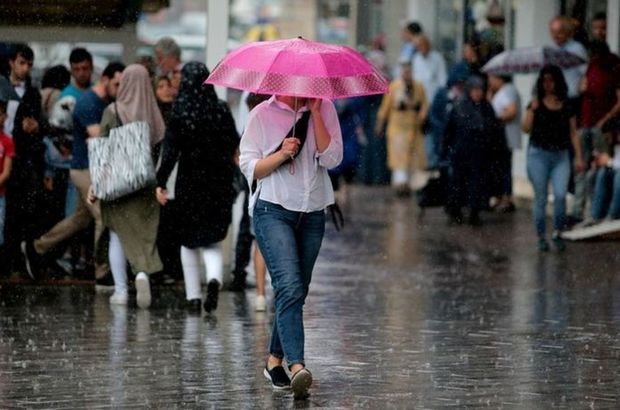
[(202, 137), (132, 220), (471, 137), (404, 108)]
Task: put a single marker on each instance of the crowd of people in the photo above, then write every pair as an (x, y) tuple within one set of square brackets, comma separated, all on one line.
[(465, 125), (456, 123), (48, 210)]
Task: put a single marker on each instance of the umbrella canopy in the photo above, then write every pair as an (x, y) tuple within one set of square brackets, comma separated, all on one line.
[(531, 59), (299, 67)]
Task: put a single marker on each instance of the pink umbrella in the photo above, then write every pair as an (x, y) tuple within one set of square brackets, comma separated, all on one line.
[(299, 67)]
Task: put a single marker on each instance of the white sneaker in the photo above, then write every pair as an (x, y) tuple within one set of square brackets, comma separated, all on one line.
[(261, 303), (118, 298), (143, 290)]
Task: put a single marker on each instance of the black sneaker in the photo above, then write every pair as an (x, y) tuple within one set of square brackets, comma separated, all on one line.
[(300, 383), (543, 245), (213, 290), (194, 306), (558, 242), (278, 378), (105, 284), (238, 283), (31, 258)]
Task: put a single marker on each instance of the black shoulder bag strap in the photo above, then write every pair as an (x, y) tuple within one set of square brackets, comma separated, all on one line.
[(118, 117), (301, 130)]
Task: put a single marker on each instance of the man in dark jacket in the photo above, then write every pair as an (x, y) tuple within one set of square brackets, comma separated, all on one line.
[(25, 124)]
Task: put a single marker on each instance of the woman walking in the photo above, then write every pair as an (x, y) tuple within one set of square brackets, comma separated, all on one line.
[(552, 128), (202, 137), (132, 220), (404, 108), (469, 145), (292, 192)]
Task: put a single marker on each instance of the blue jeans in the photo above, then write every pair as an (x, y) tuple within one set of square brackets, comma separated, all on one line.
[(432, 142), (590, 140), (2, 218), (606, 199), (290, 243), (544, 166)]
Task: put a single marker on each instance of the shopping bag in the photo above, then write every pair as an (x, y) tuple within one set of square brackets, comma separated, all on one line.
[(121, 164)]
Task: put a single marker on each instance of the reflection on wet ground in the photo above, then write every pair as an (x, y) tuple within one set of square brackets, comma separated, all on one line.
[(404, 313)]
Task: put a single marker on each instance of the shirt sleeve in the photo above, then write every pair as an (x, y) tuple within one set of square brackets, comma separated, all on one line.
[(332, 156), (251, 146), (9, 148)]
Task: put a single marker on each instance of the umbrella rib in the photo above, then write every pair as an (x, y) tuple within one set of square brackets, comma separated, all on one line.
[(268, 71)]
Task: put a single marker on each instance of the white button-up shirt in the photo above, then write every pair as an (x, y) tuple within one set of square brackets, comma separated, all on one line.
[(430, 70), (304, 186)]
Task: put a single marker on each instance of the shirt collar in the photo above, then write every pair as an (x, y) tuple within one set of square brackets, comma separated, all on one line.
[(273, 100)]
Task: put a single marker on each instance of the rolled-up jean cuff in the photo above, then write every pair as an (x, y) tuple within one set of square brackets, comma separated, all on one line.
[(277, 355)]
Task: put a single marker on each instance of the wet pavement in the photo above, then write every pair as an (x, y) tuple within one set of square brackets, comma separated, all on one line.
[(404, 312)]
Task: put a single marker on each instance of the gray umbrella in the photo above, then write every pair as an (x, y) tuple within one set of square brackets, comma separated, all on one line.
[(530, 59)]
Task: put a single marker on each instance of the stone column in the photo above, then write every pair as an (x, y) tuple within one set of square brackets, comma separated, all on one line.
[(217, 35), (613, 25)]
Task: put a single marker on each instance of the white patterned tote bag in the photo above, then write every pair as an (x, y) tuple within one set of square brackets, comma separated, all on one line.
[(121, 164)]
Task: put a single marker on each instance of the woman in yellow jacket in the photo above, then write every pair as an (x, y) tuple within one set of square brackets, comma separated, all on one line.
[(404, 108)]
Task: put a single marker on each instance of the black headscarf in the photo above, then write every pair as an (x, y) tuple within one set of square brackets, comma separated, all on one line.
[(198, 120), (197, 105)]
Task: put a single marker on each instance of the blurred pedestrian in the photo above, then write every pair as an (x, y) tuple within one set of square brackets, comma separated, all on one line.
[(552, 126), (598, 27), (351, 113), (54, 80), (506, 103), (606, 197), (86, 118), (429, 68), (293, 190), (165, 96), (168, 242), (408, 35), (404, 109), (600, 94), (471, 138), (168, 58), (470, 62), (443, 104), (81, 64), (562, 31), (7, 153), (25, 124), (202, 137), (132, 219)]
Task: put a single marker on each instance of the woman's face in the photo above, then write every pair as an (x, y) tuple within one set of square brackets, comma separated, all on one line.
[(406, 74), (164, 91), (476, 94), (548, 84)]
